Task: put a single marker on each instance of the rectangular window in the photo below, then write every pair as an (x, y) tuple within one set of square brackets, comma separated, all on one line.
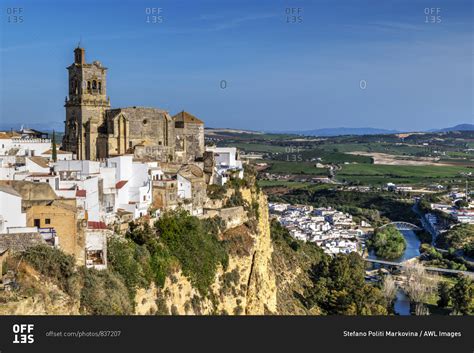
[(47, 221), (36, 223)]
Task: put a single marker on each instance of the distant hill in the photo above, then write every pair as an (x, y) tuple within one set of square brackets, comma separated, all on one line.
[(460, 127), (339, 131), (45, 127), (325, 132), (214, 131), (345, 131)]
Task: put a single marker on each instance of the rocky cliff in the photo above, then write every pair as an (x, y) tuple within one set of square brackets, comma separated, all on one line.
[(246, 286), (38, 296), (256, 281)]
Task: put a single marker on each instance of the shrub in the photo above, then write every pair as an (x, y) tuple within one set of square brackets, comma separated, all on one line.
[(161, 307), (104, 293), (131, 262), (230, 280), (198, 251), (236, 199), (216, 192), (52, 263), (160, 264)]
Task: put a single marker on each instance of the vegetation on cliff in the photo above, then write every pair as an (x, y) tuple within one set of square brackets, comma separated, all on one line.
[(98, 292), (195, 245), (177, 239), (147, 254), (54, 264)]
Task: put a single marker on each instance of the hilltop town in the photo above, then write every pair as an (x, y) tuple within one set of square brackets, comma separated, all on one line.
[(113, 167), (138, 211)]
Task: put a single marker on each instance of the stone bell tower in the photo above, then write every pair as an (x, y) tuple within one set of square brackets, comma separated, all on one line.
[(85, 108)]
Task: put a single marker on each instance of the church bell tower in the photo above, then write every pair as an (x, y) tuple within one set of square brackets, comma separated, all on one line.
[(85, 105)]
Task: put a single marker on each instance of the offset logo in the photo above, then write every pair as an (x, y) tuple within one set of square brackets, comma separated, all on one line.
[(23, 333)]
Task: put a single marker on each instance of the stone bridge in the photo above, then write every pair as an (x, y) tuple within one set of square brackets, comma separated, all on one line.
[(431, 269), (402, 225)]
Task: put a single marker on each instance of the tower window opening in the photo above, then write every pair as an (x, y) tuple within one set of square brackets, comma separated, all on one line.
[(100, 87), (88, 86)]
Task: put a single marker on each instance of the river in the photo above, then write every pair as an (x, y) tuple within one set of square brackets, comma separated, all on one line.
[(402, 302), (401, 305)]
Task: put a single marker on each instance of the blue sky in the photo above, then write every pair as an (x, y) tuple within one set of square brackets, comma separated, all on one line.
[(280, 76)]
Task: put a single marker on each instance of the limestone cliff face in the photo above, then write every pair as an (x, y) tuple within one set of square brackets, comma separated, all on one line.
[(246, 287), (41, 297), (261, 292)]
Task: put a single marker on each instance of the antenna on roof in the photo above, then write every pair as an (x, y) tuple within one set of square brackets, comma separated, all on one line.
[(80, 42)]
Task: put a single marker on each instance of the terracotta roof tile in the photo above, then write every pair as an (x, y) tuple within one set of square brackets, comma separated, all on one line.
[(120, 184), (188, 118), (81, 193), (96, 225)]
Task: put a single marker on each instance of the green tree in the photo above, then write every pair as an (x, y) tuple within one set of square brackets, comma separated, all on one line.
[(53, 148), (388, 243), (130, 261), (462, 295), (339, 288), (444, 294)]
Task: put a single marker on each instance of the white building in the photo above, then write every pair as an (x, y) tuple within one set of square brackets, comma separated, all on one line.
[(227, 163), (10, 209), (133, 184), (12, 143), (123, 184), (184, 187)]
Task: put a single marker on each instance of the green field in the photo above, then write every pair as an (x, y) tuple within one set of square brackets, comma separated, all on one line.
[(380, 174), (374, 147)]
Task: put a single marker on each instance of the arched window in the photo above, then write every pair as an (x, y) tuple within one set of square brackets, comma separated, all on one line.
[(88, 86), (100, 87), (94, 86)]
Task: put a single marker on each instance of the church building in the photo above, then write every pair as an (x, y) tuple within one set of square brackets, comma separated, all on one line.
[(94, 131)]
